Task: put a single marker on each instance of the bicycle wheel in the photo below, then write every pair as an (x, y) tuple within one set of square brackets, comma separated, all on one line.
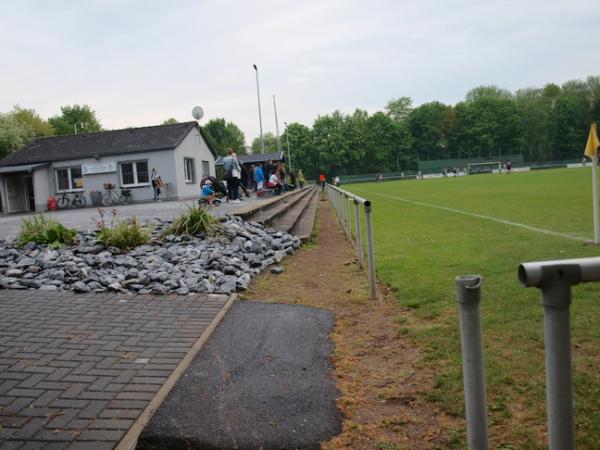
[(107, 198), (125, 199), (79, 201), (62, 202)]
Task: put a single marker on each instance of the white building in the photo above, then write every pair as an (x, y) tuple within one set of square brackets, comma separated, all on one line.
[(124, 158)]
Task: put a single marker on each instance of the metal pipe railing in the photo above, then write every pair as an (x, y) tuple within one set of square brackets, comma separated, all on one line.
[(359, 244), (468, 295), (554, 279), (341, 201)]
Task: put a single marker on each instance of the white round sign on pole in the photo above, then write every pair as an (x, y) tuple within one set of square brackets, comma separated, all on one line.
[(197, 112)]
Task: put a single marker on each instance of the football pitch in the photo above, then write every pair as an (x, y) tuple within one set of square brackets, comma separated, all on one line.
[(429, 231)]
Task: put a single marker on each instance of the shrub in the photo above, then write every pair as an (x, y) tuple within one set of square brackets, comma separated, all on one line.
[(197, 220), (124, 234), (42, 229)]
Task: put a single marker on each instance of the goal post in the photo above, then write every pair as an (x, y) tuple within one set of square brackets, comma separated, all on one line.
[(484, 167)]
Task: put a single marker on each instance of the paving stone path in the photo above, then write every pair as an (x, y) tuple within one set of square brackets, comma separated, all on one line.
[(76, 371)]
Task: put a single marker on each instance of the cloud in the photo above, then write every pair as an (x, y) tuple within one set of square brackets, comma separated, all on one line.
[(139, 63)]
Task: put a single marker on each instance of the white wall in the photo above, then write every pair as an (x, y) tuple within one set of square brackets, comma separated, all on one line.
[(193, 146), (162, 160)]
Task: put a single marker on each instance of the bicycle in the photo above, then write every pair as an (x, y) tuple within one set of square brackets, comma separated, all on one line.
[(110, 197), (71, 200)]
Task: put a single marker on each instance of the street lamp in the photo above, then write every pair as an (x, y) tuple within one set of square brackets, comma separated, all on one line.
[(262, 142), (287, 137), (276, 125)]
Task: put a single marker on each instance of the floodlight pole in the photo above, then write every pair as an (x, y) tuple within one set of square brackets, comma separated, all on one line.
[(287, 137), (276, 125), (262, 142)]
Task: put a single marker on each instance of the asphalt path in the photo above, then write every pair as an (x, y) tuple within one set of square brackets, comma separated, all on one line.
[(262, 381)]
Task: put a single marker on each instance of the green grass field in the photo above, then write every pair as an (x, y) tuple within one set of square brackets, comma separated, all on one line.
[(420, 249)]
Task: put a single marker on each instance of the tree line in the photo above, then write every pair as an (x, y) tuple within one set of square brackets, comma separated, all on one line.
[(542, 124)]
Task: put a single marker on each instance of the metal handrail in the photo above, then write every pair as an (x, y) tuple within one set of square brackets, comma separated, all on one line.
[(554, 279), (342, 201)]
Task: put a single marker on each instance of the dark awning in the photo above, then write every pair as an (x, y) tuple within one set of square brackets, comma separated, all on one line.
[(22, 168)]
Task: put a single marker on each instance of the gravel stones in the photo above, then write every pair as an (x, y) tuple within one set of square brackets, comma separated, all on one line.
[(177, 264)]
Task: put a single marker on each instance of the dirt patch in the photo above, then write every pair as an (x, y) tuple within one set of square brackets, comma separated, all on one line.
[(377, 366)]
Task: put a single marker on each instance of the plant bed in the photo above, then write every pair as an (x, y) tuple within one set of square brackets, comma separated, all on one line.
[(168, 263)]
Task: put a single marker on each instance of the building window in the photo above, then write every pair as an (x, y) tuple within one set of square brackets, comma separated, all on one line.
[(69, 179), (134, 173), (205, 169), (188, 170)]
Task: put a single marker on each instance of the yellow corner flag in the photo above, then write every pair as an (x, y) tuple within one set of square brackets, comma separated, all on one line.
[(592, 143)]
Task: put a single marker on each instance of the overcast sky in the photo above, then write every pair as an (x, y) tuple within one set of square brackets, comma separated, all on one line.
[(140, 62)]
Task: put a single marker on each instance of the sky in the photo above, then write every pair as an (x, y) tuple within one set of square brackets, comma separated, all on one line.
[(137, 63)]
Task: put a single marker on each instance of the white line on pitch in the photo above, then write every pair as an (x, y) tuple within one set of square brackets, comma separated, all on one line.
[(480, 216)]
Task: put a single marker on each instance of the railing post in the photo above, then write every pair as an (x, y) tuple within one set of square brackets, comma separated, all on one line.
[(343, 212), (556, 298), (339, 211), (359, 249), (348, 223), (370, 251), (468, 295), (554, 279)]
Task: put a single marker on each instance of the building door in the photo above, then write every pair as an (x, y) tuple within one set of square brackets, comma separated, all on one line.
[(29, 192), (15, 193)]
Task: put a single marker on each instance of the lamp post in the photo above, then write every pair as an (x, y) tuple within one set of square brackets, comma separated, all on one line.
[(287, 137), (276, 124), (262, 142)]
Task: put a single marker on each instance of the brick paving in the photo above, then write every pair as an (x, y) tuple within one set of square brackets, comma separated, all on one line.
[(76, 371)]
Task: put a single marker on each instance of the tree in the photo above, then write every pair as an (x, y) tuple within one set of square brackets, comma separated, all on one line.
[(75, 119), (534, 107), (570, 120), (19, 127), (29, 118), (270, 143), (222, 135), (383, 145), (170, 121), (301, 151), (399, 109), (489, 127), (491, 91), (13, 135), (428, 129), (331, 140)]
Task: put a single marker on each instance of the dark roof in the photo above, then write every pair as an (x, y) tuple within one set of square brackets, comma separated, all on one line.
[(103, 143), (257, 157)]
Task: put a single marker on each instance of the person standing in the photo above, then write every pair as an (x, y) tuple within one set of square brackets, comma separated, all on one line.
[(336, 181), (301, 179), (259, 177), (508, 166), (322, 179), (156, 182), (233, 173)]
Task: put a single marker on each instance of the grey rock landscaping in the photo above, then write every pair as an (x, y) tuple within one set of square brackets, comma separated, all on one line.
[(176, 264)]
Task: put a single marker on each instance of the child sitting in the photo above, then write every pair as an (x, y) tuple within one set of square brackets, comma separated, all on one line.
[(208, 194), (274, 183)]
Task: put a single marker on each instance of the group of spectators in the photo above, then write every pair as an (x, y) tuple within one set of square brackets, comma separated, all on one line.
[(260, 177)]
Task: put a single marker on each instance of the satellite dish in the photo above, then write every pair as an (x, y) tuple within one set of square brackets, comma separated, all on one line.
[(197, 113)]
